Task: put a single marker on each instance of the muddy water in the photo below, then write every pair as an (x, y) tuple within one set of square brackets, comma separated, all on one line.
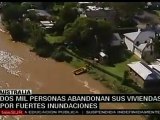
[(21, 68)]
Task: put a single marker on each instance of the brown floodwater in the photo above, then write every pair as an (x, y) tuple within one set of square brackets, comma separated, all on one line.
[(48, 76)]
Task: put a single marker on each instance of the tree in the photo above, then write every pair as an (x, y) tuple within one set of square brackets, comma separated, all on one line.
[(68, 14), (47, 5), (156, 46), (59, 26), (26, 6), (71, 34), (104, 33), (70, 4), (39, 43), (12, 12), (32, 16), (87, 34), (37, 36), (127, 9), (16, 31), (152, 106)]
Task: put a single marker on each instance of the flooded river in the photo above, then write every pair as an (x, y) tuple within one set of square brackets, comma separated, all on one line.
[(22, 69)]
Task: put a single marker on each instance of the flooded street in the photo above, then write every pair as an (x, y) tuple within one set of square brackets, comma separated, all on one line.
[(22, 69)]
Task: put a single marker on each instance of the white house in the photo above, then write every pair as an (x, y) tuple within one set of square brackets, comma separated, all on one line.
[(140, 42), (145, 75)]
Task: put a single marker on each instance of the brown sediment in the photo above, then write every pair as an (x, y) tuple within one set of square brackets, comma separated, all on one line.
[(48, 76)]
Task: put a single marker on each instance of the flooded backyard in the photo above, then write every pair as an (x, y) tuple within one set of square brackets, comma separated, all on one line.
[(22, 69)]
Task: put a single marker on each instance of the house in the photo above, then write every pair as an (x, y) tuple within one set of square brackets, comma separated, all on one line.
[(140, 42), (146, 76), (42, 14), (100, 13), (153, 5)]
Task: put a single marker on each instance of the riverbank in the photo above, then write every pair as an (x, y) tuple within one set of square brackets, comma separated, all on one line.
[(48, 76)]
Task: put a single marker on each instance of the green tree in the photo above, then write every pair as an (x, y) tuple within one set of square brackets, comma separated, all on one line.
[(68, 14), (156, 46), (16, 31), (71, 35), (32, 16), (12, 12), (104, 33), (152, 106), (59, 27), (88, 34), (26, 6), (47, 5), (37, 36), (70, 4), (127, 9)]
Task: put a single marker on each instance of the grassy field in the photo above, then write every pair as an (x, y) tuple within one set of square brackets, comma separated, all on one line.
[(158, 12), (119, 68), (111, 77), (54, 39)]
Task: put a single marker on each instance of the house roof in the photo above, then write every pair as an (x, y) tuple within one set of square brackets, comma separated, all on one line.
[(116, 39), (84, 2), (40, 12), (142, 46), (43, 13), (132, 35), (157, 67), (140, 69), (158, 60), (116, 36), (102, 54), (101, 14), (144, 71), (47, 24), (140, 35)]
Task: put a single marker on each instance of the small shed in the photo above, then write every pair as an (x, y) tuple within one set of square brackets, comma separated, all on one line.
[(46, 24), (103, 58)]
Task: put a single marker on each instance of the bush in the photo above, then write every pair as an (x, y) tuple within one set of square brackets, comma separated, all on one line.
[(125, 89), (68, 59), (60, 56), (43, 52), (152, 106), (126, 23), (16, 31), (130, 82), (126, 80)]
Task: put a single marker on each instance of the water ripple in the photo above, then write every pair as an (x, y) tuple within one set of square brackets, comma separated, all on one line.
[(10, 62)]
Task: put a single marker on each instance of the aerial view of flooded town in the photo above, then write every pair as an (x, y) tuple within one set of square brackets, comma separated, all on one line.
[(81, 48)]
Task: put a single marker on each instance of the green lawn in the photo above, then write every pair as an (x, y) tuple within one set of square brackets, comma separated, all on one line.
[(119, 68), (109, 80), (117, 71), (158, 12), (54, 39), (77, 63)]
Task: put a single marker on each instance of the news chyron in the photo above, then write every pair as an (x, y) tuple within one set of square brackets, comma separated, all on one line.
[(24, 102), (15, 92)]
